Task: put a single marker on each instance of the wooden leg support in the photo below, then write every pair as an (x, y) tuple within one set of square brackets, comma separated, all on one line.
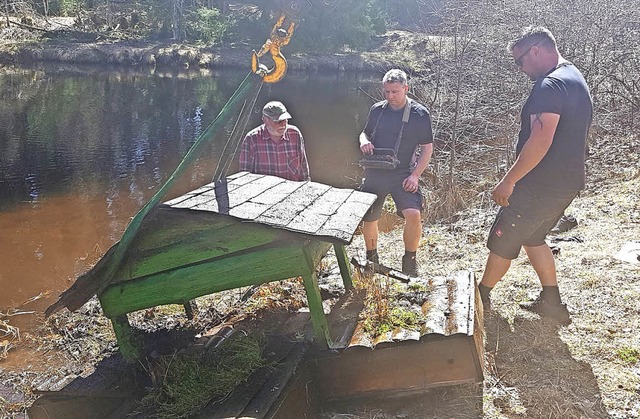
[(190, 307), (343, 263), (314, 300), (127, 342)]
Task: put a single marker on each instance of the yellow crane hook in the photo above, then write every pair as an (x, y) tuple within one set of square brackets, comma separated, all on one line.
[(279, 38)]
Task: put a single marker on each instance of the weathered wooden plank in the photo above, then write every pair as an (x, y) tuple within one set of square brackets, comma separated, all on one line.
[(204, 189), (255, 395), (460, 303), (277, 193), (279, 378), (408, 368), (203, 198), (286, 260), (345, 221), (304, 207), (249, 210), (207, 206), (343, 264), (307, 222), (242, 178), (193, 201), (313, 217), (250, 190), (210, 242), (362, 197), (282, 213), (436, 307), (180, 199)]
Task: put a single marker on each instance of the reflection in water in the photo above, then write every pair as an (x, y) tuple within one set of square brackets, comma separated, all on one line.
[(81, 154)]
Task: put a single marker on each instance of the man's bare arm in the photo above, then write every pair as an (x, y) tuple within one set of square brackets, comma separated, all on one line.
[(543, 128)]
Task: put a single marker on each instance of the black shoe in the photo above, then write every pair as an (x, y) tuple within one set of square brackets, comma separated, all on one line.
[(368, 269), (555, 312), (410, 265), (565, 223)]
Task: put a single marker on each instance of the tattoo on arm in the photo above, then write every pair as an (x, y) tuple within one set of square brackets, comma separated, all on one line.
[(537, 120)]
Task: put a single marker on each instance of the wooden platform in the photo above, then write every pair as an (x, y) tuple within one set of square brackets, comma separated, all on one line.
[(247, 230), (447, 350)]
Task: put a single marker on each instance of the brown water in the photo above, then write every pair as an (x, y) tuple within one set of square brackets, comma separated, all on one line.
[(81, 150)]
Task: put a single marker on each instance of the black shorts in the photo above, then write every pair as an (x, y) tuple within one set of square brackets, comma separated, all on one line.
[(526, 221), (385, 182)]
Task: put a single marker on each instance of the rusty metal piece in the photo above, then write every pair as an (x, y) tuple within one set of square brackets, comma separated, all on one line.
[(381, 269)]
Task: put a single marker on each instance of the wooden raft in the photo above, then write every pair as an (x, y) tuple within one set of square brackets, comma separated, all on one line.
[(246, 230)]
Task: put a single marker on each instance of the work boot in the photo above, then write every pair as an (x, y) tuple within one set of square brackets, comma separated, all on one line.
[(485, 298), (565, 223), (546, 310), (371, 259), (410, 265)]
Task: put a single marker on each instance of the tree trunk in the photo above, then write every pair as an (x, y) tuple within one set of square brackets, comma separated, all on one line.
[(6, 11), (223, 5), (176, 20)]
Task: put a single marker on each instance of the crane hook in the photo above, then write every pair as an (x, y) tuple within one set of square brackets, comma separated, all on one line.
[(279, 38)]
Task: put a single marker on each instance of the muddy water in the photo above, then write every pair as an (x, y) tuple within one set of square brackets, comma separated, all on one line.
[(81, 150)]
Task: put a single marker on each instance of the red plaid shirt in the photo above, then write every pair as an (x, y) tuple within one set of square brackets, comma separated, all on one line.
[(285, 158)]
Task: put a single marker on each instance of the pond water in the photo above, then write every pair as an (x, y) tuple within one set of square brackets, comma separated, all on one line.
[(82, 150)]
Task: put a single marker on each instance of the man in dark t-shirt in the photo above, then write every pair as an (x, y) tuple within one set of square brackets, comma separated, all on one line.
[(548, 173), (403, 127)]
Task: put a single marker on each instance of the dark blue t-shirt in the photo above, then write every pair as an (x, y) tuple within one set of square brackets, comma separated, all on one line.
[(387, 123), (562, 91)]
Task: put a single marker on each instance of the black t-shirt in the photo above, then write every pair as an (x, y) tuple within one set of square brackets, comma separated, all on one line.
[(387, 123), (562, 91)]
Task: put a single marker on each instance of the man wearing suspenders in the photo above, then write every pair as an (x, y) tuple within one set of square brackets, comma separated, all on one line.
[(403, 126)]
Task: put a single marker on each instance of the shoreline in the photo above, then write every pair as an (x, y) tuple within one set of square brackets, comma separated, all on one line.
[(139, 55)]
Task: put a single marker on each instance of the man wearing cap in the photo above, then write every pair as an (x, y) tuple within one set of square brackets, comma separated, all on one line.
[(275, 147)]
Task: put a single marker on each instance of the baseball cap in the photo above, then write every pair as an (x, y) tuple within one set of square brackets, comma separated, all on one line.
[(275, 111)]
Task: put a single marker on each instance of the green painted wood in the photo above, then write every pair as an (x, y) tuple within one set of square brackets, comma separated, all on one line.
[(97, 284), (167, 226), (314, 301), (190, 308), (178, 238), (127, 342), (286, 259), (343, 264)]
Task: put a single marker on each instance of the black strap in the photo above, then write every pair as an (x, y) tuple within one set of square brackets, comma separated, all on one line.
[(405, 118)]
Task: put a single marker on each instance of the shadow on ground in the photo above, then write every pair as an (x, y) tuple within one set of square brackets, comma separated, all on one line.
[(535, 374)]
